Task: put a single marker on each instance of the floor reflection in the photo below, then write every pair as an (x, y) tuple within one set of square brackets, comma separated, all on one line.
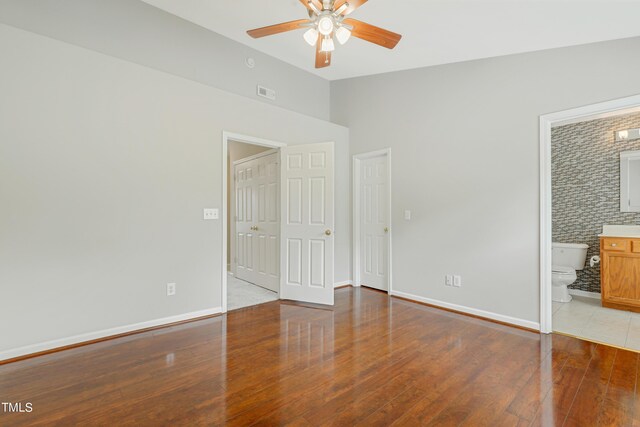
[(369, 360)]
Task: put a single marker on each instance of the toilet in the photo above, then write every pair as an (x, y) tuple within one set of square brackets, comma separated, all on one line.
[(566, 258)]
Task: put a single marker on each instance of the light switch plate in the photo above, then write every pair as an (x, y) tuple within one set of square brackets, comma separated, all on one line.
[(457, 281), (407, 215), (448, 280), (211, 213)]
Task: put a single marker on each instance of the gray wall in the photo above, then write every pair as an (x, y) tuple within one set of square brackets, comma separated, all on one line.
[(140, 33), (585, 172), (105, 167), (465, 160)]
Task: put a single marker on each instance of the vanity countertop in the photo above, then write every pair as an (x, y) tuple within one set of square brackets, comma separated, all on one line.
[(623, 231)]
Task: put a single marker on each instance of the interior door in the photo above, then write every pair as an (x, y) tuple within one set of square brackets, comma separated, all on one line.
[(258, 221), (244, 234), (374, 226), (266, 222), (307, 224)]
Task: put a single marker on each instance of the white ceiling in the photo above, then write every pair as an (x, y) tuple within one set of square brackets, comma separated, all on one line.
[(434, 31)]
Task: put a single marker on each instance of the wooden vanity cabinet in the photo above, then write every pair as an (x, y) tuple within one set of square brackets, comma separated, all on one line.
[(620, 273)]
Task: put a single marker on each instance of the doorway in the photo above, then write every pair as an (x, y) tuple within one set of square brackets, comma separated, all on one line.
[(253, 226), (547, 122), (372, 220), (280, 237)]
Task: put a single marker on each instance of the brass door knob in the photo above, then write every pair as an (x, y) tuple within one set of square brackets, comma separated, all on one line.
[(386, 229), (327, 232)]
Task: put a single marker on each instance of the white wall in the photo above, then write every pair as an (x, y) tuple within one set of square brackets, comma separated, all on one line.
[(465, 161), (138, 32), (105, 167)]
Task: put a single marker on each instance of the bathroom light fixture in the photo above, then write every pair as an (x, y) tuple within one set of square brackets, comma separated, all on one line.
[(626, 135)]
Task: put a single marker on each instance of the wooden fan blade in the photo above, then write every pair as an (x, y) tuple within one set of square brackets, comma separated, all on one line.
[(353, 5), (277, 28), (317, 3), (373, 34), (323, 59)]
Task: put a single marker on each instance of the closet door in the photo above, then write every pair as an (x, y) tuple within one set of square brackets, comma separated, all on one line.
[(244, 232), (266, 222), (374, 225)]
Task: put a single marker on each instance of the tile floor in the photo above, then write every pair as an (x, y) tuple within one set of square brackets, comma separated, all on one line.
[(244, 294), (586, 318)]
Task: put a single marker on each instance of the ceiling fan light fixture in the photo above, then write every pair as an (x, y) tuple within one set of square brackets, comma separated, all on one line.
[(311, 36), (327, 45), (325, 25), (342, 34)]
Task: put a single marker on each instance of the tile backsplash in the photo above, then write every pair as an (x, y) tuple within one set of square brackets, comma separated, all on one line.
[(585, 177)]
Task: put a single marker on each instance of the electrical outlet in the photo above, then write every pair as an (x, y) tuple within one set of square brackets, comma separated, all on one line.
[(171, 289), (448, 280), (457, 281)]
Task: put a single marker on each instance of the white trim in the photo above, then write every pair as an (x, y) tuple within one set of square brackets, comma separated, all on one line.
[(547, 121), (469, 310), (226, 137), (343, 283), (579, 293), (356, 215), (255, 156), (90, 336)]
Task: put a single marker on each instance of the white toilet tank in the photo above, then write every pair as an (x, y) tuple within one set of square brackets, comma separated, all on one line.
[(572, 255)]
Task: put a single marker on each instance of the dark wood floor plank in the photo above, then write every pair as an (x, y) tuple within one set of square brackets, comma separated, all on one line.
[(590, 397), (370, 361), (617, 408)]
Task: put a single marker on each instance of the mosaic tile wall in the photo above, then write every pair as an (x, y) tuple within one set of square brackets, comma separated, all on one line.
[(585, 173)]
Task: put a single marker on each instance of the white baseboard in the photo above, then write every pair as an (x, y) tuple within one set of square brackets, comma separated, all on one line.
[(469, 310), (343, 283), (579, 293), (90, 336)]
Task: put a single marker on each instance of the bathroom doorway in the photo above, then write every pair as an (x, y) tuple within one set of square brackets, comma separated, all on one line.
[(580, 198)]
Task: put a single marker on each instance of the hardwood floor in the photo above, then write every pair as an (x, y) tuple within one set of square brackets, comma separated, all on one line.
[(371, 360)]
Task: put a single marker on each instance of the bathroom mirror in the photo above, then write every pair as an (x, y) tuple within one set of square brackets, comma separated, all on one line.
[(630, 181)]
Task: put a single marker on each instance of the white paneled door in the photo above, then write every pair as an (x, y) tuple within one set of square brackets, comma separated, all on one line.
[(374, 224), (257, 225), (307, 226)]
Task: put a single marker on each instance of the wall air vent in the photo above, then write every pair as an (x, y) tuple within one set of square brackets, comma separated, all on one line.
[(266, 93)]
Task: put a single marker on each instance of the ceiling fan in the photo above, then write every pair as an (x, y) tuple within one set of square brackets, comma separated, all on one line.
[(328, 20)]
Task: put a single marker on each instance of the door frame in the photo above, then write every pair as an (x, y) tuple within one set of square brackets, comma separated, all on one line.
[(547, 121), (232, 199), (247, 139), (357, 158)]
